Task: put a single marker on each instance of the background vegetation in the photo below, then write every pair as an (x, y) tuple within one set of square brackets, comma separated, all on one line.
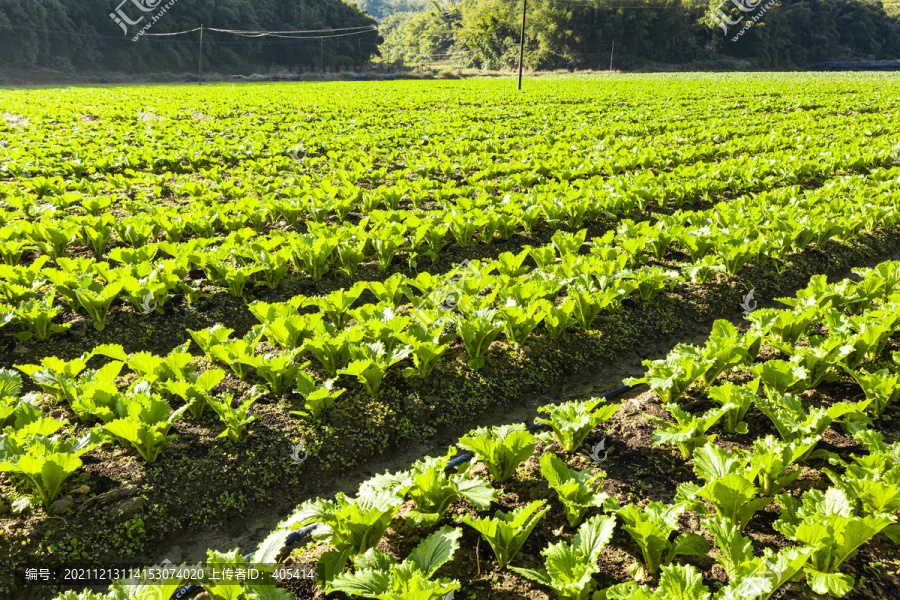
[(579, 34), (78, 35)]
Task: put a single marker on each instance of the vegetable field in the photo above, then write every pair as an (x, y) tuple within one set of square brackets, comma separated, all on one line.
[(301, 329)]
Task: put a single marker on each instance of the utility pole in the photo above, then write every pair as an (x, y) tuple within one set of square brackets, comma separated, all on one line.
[(522, 42), (200, 68), (321, 55), (611, 52), (359, 52)]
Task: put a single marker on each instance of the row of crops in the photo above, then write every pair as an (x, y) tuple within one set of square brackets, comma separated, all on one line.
[(207, 277), (833, 331)]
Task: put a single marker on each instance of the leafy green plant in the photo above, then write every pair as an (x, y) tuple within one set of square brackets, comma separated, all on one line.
[(212, 336), (388, 243), (379, 575), (819, 359), (506, 532), (826, 523), (237, 354), (236, 419), (432, 490), (177, 365), (147, 425), (573, 421), (332, 351), (780, 377), (47, 463), (336, 305), (313, 255), (752, 577), (576, 489), (195, 389), (502, 449), (570, 566), (317, 398), (741, 398), (518, 322), (288, 332), (681, 582), (793, 422), (53, 373), (770, 460), (425, 351), (371, 362), (477, 330), (557, 318), (96, 299), (588, 304), (39, 315), (733, 496), (390, 291), (272, 264), (100, 400), (351, 525), (872, 481), (701, 271), (651, 526), (726, 348), (688, 432), (569, 243), (512, 265), (279, 370), (785, 326), (881, 388), (671, 377)]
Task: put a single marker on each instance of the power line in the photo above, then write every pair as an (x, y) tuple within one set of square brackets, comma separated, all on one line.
[(321, 37), (174, 32), (265, 33), (443, 55), (362, 30), (261, 34)]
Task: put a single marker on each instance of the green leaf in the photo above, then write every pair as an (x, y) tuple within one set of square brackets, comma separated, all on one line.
[(435, 550), (832, 584)]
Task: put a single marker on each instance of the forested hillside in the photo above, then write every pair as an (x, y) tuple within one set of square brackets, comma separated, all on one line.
[(81, 35), (580, 33)]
